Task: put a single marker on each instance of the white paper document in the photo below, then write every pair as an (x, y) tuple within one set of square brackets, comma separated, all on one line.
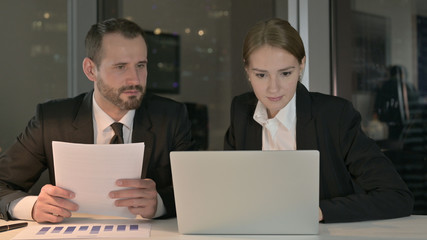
[(85, 231), (91, 170)]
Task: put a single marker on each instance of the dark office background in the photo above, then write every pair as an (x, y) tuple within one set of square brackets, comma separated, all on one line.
[(375, 57)]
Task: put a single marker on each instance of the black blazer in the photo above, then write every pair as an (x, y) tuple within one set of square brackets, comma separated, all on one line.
[(162, 124), (357, 181)]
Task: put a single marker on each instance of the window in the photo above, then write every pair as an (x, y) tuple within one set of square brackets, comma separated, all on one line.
[(380, 67), (34, 57)]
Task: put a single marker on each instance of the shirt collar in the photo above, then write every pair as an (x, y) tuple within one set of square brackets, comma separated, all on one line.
[(286, 115), (103, 120)]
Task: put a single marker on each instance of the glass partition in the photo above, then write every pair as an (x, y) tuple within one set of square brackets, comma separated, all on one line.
[(203, 41), (34, 60), (382, 70)]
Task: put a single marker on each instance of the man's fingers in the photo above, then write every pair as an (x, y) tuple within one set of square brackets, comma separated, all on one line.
[(57, 191), (44, 212), (133, 193), (137, 183), (139, 188), (56, 211), (50, 218), (139, 196), (135, 202), (143, 211), (56, 201), (52, 204), (139, 206)]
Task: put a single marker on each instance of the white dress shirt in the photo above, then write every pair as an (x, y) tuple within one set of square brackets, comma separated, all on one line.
[(21, 208), (278, 133), (102, 129)]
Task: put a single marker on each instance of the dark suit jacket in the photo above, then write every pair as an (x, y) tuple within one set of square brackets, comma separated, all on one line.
[(162, 124), (357, 181)]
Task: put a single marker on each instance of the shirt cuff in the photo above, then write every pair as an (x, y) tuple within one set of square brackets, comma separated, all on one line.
[(22, 208), (161, 210)]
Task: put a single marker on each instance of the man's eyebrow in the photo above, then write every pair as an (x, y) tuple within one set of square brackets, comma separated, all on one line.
[(119, 63), (124, 63)]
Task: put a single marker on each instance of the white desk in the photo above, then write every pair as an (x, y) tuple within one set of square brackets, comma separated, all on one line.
[(413, 227)]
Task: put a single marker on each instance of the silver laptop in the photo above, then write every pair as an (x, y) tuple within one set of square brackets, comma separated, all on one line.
[(246, 192)]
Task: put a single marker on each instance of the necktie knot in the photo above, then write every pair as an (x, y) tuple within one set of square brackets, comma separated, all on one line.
[(118, 133)]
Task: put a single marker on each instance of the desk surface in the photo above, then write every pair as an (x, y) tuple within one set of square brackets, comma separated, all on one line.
[(413, 227)]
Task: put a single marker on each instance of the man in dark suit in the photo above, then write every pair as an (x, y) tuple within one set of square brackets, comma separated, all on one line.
[(116, 62)]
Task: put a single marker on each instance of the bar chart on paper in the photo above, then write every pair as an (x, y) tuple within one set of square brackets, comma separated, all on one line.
[(75, 231)]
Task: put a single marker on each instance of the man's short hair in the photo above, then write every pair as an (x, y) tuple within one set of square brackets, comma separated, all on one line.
[(96, 33)]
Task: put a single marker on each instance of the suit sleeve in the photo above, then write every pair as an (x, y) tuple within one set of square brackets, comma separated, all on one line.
[(22, 164), (380, 193), (229, 140), (181, 141)]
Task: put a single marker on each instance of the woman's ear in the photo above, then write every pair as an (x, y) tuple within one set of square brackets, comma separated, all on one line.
[(302, 66), (247, 74), (89, 68)]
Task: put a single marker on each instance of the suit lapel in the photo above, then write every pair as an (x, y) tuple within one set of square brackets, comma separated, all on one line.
[(142, 133), (306, 129), (253, 139), (83, 123)]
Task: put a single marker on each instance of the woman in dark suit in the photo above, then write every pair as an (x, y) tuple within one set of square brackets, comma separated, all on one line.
[(357, 181)]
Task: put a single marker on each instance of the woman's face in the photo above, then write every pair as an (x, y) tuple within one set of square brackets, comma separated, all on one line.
[(274, 74)]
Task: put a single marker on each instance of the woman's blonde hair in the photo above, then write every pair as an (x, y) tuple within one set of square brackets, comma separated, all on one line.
[(274, 32)]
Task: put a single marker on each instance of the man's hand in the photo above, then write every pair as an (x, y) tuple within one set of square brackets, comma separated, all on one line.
[(140, 199), (52, 204)]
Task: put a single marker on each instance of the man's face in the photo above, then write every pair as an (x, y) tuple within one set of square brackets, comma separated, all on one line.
[(125, 97), (121, 76)]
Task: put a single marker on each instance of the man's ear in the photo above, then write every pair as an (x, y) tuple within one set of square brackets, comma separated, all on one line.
[(89, 68)]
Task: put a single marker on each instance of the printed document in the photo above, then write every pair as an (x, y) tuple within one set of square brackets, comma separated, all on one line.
[(114, 230), (91, 170)]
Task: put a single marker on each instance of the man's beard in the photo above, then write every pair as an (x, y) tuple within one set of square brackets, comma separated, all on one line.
[(113, 95)]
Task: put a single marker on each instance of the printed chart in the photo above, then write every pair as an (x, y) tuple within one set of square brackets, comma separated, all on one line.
[(86, 231)]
